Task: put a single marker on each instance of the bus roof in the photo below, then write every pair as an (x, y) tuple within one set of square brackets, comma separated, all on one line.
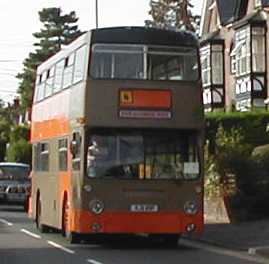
[(127, 35), (144, 35)]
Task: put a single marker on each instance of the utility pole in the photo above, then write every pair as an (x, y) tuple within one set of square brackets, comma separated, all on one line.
[(96, 12)]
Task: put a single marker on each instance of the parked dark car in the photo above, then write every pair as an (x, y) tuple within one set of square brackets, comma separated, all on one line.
[(15, 183)]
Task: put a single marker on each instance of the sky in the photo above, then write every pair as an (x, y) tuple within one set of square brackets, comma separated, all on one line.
[(19, 19)]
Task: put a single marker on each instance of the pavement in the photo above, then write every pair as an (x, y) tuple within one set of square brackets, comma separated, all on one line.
[(251, 237)]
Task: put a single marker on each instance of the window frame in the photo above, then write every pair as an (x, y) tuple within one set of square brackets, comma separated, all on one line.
[(63, 150), (145, 54), (39, 155), (206, 71), (260, 36), (243, 52)]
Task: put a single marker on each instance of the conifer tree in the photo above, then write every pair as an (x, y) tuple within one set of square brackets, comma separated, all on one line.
[(172, 14), (58, 29)]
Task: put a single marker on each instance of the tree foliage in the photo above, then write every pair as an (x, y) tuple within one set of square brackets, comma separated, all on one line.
[(5, 127), (58, 30), (173, 14), (19, 149)]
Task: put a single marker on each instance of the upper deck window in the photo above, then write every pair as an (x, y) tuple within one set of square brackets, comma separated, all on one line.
[(80, 61), (137, 62), (49, 81), (68, 70)]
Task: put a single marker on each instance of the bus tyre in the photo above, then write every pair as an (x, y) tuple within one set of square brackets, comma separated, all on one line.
[(41, 227), (170, 240), (71, 237)]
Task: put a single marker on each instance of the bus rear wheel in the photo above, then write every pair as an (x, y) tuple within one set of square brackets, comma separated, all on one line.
[(70, 236), (41, 227)]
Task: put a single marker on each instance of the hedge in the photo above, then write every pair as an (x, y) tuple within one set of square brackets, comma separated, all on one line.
[(254, 126)]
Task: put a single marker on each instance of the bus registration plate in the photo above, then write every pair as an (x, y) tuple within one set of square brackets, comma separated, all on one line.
[(144, 208)]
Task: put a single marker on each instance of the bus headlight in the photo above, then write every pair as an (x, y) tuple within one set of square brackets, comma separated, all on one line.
[(96, 206), (190, 208)]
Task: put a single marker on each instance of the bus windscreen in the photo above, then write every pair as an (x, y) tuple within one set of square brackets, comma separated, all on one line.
[(143, 157)]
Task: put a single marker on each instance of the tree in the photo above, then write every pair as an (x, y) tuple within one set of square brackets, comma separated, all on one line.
[(19, 149), (173, 14), (5, 127), (58, 29)]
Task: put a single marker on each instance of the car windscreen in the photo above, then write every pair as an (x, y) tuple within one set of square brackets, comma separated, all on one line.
[(8, 172)]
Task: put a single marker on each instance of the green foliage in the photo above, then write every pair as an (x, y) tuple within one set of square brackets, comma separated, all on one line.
[(58, 29), (222, 167), (20, 149), (4, 136), (253, 126), (231, 169), (172, 14)]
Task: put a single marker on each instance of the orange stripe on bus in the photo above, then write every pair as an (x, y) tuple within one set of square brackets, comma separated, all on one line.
[(126, 222), (49, 128)]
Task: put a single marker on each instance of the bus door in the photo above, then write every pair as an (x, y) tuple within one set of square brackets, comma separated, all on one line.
[(76, 148)]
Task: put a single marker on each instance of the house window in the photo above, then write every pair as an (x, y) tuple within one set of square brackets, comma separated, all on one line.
[(206, 65), (233, 64), (217, 63), (258, 49), (242, 52)]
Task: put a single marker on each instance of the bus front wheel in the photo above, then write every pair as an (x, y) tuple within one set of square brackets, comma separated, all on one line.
[(70, 236)]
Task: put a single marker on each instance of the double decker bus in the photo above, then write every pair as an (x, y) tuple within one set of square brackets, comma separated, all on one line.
[(117, 134)]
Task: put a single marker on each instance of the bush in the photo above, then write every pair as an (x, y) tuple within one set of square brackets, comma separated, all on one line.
[(253, 127), (232, 171)]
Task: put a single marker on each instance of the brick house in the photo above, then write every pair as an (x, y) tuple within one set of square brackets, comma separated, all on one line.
[(235, 54)]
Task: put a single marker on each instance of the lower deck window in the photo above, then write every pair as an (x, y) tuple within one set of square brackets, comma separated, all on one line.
[(142, 157)]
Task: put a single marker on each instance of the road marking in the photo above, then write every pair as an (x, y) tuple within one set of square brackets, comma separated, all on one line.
[(3, 221), (222, 251), (93, 261), (30, 233), (60, 247)]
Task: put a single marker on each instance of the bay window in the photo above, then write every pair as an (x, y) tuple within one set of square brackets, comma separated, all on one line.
[(206, 65), (258, 49), (217, 64), (242, 51)]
